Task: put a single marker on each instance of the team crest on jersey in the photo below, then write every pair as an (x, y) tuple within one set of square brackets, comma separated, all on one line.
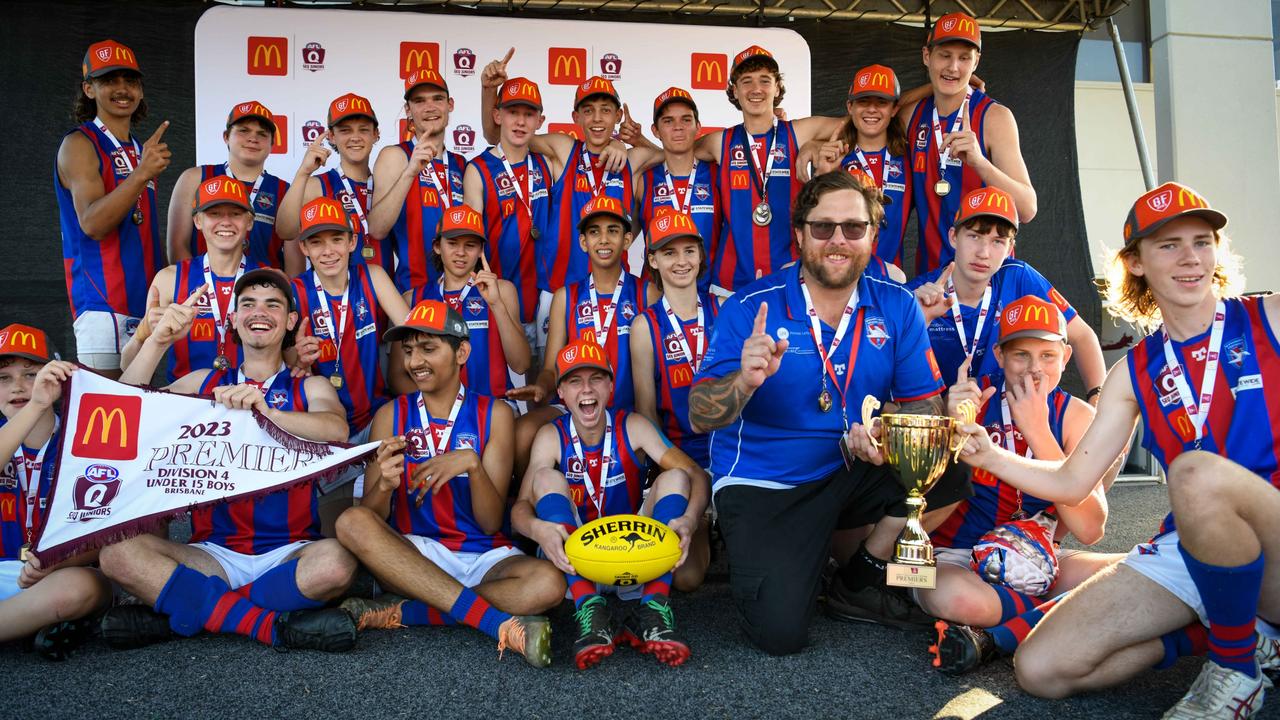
[(701, 192), (893, 169), (660, 192), (1236, 352), (278, 399), (922, 137), (466, 441), (1167, 387), (584, 313), (266, 201), (535, 176), (575, 466), (475, 306), (779, 155), (9, 476), (120, 161), (672, 349), (877, 333), (204, 306), (362, 310), (737, 156), (130, 326), (505, 187), (319, 320), (628, 311)]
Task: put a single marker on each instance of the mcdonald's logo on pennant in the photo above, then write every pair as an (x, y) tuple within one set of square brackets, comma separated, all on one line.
[(107, 427), (268, 55), (708, 71), (415, 55), (566, 66)]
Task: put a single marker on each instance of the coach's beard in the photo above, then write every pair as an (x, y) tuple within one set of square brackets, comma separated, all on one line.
[(831, 278)]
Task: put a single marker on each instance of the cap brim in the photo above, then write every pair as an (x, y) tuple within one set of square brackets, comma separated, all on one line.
[(873, 93), (584, 366), (657, 111), (112, 68), (668, 240), (984, 213), (578, 103), (409, 90), (1216, 220), (266, 276), (348, 116), (29, 356), (215, 203), (400, 332), (944, 41), (1037, 334), (582, 224), (520, 101), (317, 229), (271, 123), (461, 232)]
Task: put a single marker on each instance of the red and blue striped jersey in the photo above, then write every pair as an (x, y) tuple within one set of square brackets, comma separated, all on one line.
[(13, 500), (198, 349), (745, 247), (415, 230), (114, 273), (331, 186), (579, 322), (890, 174), (673, 375), (266, 248), (561, 258), (623, 484), (260, 525), (486, 369), (508, 224), (994, 501), (1246, 394), (935, 213), (447, 516), (364, 388), (704, 208)]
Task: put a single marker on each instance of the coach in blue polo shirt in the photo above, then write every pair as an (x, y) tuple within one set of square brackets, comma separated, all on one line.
[(779, 405)]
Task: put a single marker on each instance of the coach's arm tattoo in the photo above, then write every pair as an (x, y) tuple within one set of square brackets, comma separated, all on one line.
[(717, 403)]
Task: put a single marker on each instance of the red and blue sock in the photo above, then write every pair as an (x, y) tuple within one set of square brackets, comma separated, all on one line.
[(666, 509), (1014, 603), (418, 613), (194, 602), (1009, 635), (277, 589), (556, 508), (1230, 597), (471, 609), (1184, 642)]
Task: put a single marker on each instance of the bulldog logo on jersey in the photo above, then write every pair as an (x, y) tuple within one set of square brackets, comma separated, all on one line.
[(466, 441), (1236, 352), (877, 334), (475, 306), (701, 192), (278, 399), (628, 312)]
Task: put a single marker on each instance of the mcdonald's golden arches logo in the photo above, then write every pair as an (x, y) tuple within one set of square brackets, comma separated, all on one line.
[(681, 376), (202, 329), (107, 427), (415, 55), (566, 66), (268, 55), (708, 71)]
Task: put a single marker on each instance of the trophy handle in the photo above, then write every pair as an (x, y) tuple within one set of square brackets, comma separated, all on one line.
[(869, 406), (968, 411)]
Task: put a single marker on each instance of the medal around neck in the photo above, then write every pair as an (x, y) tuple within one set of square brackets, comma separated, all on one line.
[(942, 188), (763, 214)]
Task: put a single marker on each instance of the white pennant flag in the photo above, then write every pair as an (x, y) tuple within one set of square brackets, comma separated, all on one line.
[(130, 458)]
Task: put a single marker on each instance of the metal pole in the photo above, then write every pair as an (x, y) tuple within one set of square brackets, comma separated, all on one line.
[(1135, 120)]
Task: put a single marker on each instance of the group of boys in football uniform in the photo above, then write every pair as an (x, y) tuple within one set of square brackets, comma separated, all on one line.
[(478, 319)]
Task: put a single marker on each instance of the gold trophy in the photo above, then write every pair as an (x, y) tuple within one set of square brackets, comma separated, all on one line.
[(918, 447)]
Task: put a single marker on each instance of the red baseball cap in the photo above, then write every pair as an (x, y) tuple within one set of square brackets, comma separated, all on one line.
[(107, 56), (668, 226), (323, 213), (875, 81), (595, 85), (1032, 316), (461, 220), (754, 51), (603, 205), (349, 106), (520, 91), (25, 341), (431, 317), (670, 95), (956, 27), (220, 190), (987, 201), (251, 109), (423, 76), (578, 355), (1171, 200)]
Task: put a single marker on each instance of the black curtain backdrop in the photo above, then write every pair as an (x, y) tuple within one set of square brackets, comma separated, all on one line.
[(1033, 73)]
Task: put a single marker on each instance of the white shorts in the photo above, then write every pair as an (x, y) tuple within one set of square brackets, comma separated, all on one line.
[(722, 293), (1161, 562), (543, 322), (961, 557), (354, 472), (468, 568), (9, 570), (100, 336), (243, 569)]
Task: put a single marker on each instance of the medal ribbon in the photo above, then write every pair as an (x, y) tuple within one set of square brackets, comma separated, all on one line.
[(589, 171), (757, 162), (815, 330), (969, 348), (30, 480), (244, 379), (1198, 414), (596, 495), (355, 199), (326, 319), (446, 195), (688, 190), (117, 147), (424, 417), (694, 359), (945, 157), (865, 166), (456, 302), (602, 330), (220, 319)]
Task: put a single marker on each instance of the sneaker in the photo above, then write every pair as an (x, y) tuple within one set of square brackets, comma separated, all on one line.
[(595, 633), (650, 627), (134, 626), (327, 630), (960, 648), (874, 604), (1220, 692), (1268, 654), (381, 613), (529, 635), (55, 642)]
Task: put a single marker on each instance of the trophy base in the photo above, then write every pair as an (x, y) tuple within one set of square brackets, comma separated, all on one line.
[(924, 577)]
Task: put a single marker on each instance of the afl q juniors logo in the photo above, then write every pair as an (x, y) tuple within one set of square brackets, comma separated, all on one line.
[(611, 66), (415, 444), (311, 130), (93, 493), (464, 138), (464, 62), (312, 57)]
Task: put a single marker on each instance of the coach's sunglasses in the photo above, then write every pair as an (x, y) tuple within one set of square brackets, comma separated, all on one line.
[(823, 230)]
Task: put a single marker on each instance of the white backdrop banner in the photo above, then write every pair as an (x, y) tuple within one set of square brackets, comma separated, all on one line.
[(131, 458), (295, 61)]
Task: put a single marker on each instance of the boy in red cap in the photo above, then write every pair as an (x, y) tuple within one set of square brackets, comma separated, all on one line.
[(353, 131), (251, 131), (510, 185), (1204, 386), (430, 526), (680, 183), (998, 562), (222, 216), (54, 603), (961, 140), (105, 181), (417, 180), (499, 348), (963, 300), (591, 463)]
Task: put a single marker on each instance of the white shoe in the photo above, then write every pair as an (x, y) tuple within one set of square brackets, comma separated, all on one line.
[(1268, 654), (1220, 692)]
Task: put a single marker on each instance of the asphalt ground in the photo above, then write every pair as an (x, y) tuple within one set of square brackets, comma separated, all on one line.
[(849, 671)]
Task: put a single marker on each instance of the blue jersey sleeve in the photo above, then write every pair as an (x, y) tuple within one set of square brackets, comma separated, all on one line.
[(1031, 282), (733, 326), (916, 375), (923, 278)]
